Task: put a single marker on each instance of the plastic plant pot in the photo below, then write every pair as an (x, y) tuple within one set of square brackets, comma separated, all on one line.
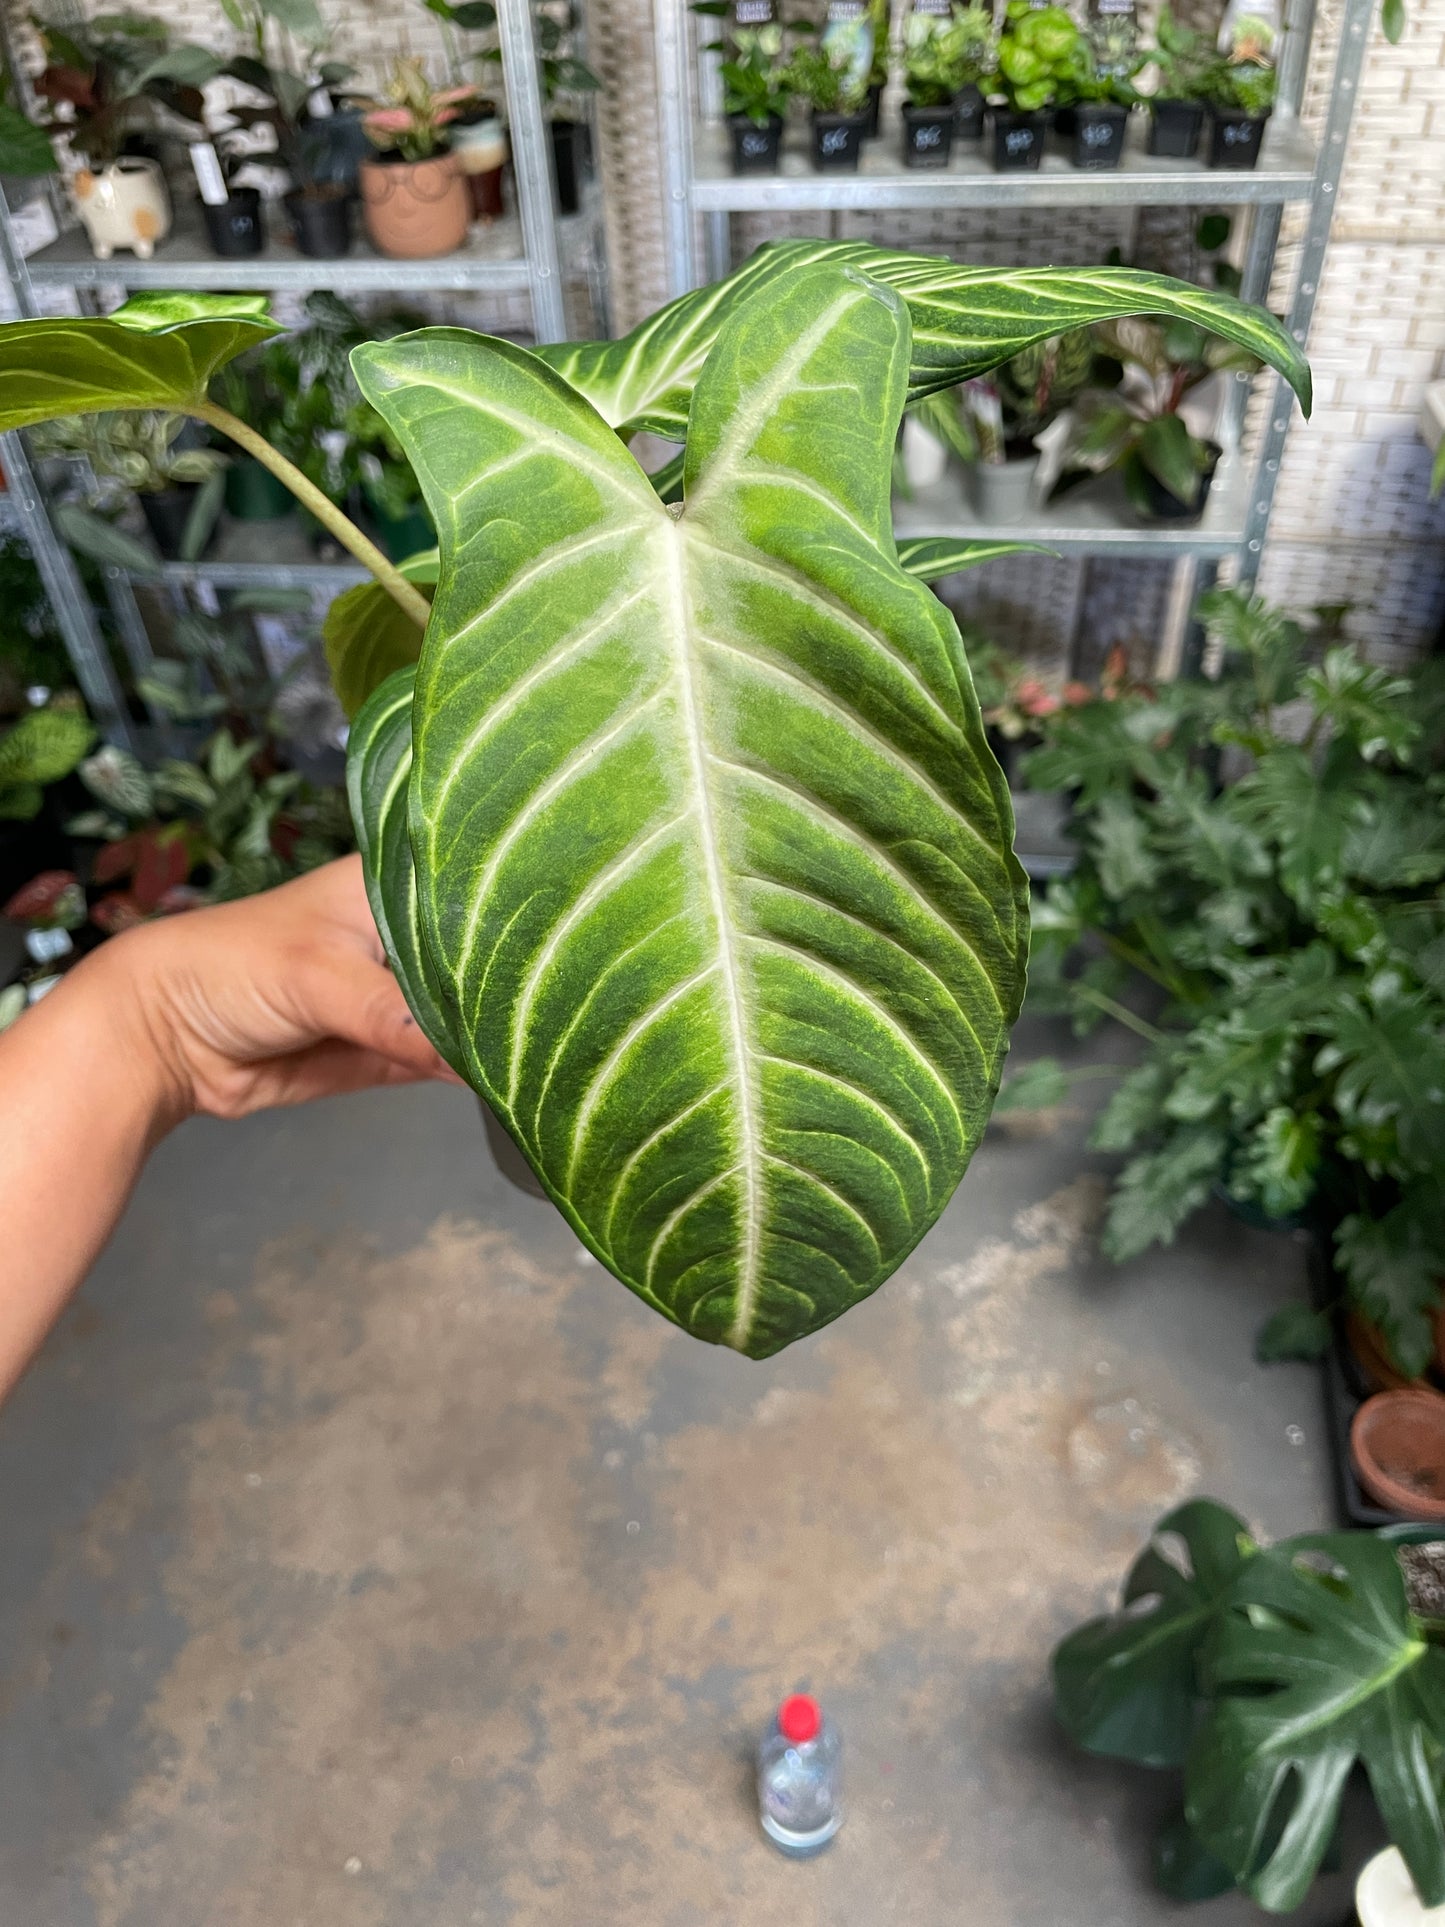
[(320, 223), (871, 113), (968, 115), (755, 149), (927, 135), (253, 493), (838, 142), (1174, 129), (1003, 492), (1234, 138), (237, 227), (1397, 1447), (1099, 130), (167, 512), (1018, 140)]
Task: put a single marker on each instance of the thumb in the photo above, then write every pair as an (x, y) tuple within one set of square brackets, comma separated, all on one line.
[(350, 995)]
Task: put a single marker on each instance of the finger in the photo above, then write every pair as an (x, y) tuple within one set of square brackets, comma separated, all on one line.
[(347, 995), (330, 1069)]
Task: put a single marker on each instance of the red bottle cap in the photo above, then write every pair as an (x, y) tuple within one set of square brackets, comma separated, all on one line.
[(799, 1719)]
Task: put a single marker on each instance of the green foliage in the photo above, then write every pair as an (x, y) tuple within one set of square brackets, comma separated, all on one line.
[(42, 747), (1267, 1674), (756, 78), (828, 79), (118, 76), (1291, 928), (32, 651), (751, 721), (368, 637), (943, 56), (1293, 1332), (1182, 58), (1040, 52)]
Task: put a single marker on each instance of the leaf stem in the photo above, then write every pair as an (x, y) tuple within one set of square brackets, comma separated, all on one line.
[(1120, 1013), (322, 507)]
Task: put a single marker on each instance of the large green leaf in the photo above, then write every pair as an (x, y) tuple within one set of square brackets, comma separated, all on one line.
[(369, 636), (1128, 1685), (158, 351), (965, 322), (1313, 1670), (712, 860)]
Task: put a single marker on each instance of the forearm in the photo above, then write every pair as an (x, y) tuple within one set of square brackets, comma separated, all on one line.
[(83, 1098)]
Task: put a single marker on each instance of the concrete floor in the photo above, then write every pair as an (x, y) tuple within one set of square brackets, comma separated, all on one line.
[(372, 1559)]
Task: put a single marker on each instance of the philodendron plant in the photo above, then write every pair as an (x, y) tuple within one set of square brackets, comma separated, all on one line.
[(679, 827)]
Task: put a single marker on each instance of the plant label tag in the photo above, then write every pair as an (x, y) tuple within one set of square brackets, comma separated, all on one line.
[(752, 13), (46, 946), (318, 104), (209, 178)]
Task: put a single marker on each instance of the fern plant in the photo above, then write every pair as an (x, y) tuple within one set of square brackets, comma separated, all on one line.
[(680, 827)]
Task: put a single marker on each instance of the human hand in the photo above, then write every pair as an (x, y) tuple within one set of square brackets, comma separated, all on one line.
[(275, 999)]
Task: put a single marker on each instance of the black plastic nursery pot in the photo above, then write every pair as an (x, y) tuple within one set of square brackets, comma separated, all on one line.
[(320, 222), (167, 512), (1098, 137), (968, 115), (1164, 506), (237, 227), (755, 149), (927, 135), (253, 493), (569, 155), (871, 113), (1018, 140), (1234, 138), (838, 142), (1174, 129)]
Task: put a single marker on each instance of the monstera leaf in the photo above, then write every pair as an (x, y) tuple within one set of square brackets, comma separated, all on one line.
[(700, 866), (1128, 1686), (966, 320), (157, 351), (1315, 1667)]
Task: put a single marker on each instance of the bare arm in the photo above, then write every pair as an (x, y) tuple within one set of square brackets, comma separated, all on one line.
[(275, 1000)]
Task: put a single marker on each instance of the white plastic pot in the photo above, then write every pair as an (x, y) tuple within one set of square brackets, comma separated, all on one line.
[(125, 205), (1003, 492), (1385, 1895)]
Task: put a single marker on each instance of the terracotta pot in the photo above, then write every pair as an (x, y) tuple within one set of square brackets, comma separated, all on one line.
[(1397, 1447), (1371, 1355), (125, 205), (414, 209)]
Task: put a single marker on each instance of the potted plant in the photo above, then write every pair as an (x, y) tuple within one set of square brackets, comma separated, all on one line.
[(755, 97), (563, 75), (1098, 101), (973, 30), (879, 15), (1240, 90), (111, 83), (605, 687), (1139, 427), (1182, 61), (1000, 417), (179, 488), (235, 224), (830, 83), (1287, 929), (1261, 1677), (934, 73), (413, 196), (1037, 52)]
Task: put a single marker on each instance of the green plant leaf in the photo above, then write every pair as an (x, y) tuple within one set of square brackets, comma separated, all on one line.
[(45, 745), (1392, 1268), (1035, 1087), (21, 802), (965, 322), (1279, 1161), (368, 636), (378, 770), (1316, 1666), (1136, 1106), (931, 556), (1166, 448), (1158, 1191), (158, 351), (25, 149), (1127, 1685), (92, 535), (712, 861), (1118, 837), (1293, 1332), (1392, 20), (1184, 1868)]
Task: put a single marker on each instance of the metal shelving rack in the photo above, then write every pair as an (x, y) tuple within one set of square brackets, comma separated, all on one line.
[(520, 253), (701, 194)]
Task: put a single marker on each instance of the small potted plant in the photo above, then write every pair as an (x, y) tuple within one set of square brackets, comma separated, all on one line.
[(880, 24), (1182, 60), (1037, 53), (991, 423), (179, 488), (755, 99), (562, 75), (111, 83), (973, 35), (413, 195), (831, 85), (1098, 103), (1241, 89), (235, 224), (1138, 428), (933, 74)]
